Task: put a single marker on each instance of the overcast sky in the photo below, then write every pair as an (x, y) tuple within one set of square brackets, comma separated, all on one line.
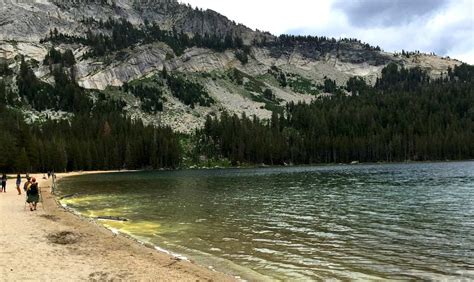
[(445, 27)]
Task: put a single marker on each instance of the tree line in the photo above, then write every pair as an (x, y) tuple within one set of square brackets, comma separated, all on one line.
[(101, 140), (405, 116), (187, 91), (322, 43), (122, 34), (64, 95), (99, 136)]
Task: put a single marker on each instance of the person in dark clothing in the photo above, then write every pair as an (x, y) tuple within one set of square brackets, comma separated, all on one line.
[(18, 183), (4, 183), (33, 194)]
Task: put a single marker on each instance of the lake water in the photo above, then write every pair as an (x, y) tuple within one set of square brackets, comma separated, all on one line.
[(395, 221)]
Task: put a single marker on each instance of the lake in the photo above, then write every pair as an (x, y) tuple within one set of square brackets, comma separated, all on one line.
[(389, 221)]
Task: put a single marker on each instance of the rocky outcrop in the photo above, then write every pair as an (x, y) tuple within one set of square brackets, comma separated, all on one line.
[(30, 21), (24, 23), (142, 61)]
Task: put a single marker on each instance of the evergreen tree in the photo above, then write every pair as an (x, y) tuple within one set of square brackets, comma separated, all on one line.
[(406, 116)]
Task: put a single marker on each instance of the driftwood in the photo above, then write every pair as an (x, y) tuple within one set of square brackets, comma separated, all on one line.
[(69, 196)]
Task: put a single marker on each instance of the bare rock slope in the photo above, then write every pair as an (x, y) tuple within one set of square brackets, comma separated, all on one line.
[(23, 25)]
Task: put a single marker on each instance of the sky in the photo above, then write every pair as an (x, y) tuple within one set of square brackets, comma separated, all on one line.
[(445, 27)]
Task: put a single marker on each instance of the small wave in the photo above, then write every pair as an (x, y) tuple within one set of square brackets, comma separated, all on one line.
[(171, 253), (265, 251)]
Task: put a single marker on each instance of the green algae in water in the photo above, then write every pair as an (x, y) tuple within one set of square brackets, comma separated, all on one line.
[(401, 221)]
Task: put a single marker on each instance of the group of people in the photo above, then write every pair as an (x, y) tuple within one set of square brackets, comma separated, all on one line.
[(30, 187)]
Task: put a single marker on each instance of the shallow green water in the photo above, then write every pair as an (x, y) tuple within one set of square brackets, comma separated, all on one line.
[(300, 223)]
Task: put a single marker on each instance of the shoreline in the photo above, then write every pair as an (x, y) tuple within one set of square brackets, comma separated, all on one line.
[(68, 246), (253, 166), (232, 271), (96, 221), (100, 253)]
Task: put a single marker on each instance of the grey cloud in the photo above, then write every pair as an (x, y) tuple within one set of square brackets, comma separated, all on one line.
[(455, 36), (387, 12), (452, 38)]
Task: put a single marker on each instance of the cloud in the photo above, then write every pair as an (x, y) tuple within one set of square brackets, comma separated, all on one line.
[(387, 12), (269, 15), (452, 37), (445, 27)]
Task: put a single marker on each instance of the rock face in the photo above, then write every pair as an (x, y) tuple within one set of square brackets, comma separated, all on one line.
[(31, 20), (24, 23)]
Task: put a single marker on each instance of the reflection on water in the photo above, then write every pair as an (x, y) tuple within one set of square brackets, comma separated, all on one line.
[(398, 221)]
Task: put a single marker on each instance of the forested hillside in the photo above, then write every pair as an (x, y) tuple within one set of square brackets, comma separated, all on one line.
[(405, 116), (158, 84), (101, 140), (98, 136), (170, 65)]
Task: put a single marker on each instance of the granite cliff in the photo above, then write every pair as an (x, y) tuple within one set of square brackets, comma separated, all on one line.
[(254, 74)]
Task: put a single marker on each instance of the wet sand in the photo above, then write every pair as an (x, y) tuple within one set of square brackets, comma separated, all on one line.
[(54, 244)]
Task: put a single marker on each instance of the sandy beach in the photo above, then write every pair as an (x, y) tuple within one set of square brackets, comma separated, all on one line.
[(54, 244)]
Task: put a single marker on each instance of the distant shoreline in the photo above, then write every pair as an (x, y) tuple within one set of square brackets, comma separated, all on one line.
[(86, 172), (310, 165), (254, 166)]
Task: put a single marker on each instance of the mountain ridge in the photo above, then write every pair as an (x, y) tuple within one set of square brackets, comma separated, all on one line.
[(307, 61)]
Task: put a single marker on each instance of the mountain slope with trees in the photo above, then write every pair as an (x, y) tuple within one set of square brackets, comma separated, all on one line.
[(405, 116), (105, 84)]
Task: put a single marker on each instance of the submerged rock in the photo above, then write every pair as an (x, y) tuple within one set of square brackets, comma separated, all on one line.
[(112, 218)]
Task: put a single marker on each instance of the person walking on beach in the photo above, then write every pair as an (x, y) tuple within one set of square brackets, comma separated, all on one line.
[(18, 183), (4, 183), (33, 194)]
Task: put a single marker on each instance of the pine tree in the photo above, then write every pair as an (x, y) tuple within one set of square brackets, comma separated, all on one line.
[(22, 163)]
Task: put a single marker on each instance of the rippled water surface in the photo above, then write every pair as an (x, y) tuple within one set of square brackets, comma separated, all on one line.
[(300, 223)]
